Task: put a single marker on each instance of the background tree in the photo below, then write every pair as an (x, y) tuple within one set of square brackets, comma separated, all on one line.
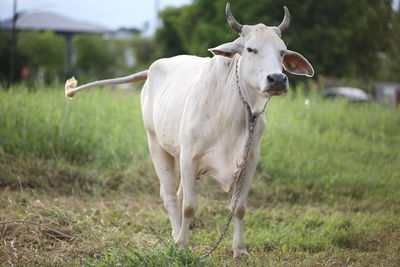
[(97, 57), (391, 59), (5, 47), (167, 42), (344, 39), (44, 53), (143, 49)]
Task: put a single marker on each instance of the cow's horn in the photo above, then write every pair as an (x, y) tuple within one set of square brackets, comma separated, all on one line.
[(286, 20), (236, 26)]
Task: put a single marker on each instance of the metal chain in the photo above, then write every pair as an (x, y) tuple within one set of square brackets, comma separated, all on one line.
[(239, 175)]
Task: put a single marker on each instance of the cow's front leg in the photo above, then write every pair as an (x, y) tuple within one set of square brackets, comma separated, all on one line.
[(239, 248), (189, 203)]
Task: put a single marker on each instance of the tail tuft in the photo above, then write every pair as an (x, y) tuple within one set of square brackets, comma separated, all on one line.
[(70, 84)]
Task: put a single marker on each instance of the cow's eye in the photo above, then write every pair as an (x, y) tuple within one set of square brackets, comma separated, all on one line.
[(282, 53), (251, 50)]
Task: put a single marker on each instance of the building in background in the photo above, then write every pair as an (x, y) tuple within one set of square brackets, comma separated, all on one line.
[(46, 21)]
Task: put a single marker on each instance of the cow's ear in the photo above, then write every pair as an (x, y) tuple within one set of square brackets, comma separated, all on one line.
[(295, 63), (228, 49)]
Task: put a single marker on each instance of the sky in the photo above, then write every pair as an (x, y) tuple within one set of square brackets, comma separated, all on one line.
[(112, 14)]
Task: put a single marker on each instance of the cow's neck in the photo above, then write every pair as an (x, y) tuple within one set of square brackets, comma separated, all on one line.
[(236, 114), (230, 113), (239, 118), (254, 99)]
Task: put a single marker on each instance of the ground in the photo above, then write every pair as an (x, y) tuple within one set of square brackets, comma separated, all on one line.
[(326, 191)]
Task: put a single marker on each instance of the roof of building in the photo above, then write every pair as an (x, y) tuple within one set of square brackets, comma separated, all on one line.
[(47, 21)]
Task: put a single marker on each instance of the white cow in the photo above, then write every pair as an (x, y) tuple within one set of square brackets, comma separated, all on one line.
[(193, 113)]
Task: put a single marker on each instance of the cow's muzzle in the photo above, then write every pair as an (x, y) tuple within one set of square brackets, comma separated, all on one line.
[(277, 84)]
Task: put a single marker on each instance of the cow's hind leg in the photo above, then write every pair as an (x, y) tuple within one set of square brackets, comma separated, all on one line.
[(189, 202), (164, 165)]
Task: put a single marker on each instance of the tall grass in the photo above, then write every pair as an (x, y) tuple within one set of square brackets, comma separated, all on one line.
[(313, 149), (329, 149), (99, 127)]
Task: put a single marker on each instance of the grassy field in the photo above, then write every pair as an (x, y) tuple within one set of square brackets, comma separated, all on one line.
[(326, 191)]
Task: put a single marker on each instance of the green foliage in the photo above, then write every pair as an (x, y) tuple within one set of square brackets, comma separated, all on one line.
[(202, 25), (5, 39), (97, 57), (343, 38), (389, 69), (164, 43), (166, 39), (5, 50), (143, 48), (44, 51)]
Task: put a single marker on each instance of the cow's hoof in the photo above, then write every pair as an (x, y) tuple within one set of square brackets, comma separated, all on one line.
[(240, 254), (182, 243)]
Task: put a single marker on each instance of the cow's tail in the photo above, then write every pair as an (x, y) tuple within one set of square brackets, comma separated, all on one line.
[(71, 89)]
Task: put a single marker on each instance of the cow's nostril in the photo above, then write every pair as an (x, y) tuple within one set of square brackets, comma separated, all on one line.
[(277, 82)]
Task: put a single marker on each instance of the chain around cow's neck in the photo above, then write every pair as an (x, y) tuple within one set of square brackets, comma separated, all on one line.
[(239, 175)]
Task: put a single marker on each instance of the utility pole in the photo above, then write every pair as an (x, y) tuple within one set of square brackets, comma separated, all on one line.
[(157, 9), (13, 43)]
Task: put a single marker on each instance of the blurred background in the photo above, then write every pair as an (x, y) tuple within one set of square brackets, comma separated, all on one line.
[(349, 43)]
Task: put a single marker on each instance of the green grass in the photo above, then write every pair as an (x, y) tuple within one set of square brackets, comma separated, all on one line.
[(170, 255), (46, 125), (326, 190)]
